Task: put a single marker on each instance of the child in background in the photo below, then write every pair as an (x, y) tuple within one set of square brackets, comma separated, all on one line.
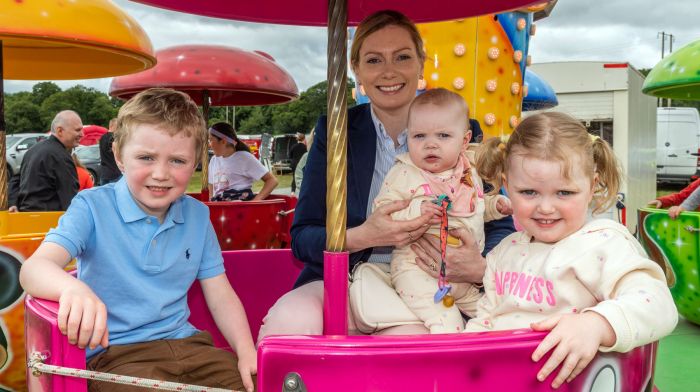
[(140, 244), (84, 179), (589, 283), (437, 164), (233, 169), (676, 200), (691, 203)]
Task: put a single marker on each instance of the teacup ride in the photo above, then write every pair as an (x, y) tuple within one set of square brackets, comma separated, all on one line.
[(335, 361), (42, 40), (214, 75), (675, 243)]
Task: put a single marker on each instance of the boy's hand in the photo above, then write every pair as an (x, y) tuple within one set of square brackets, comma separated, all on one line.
[(82, 317), (655, 203), (432, 209), (577, 338), (674, 211), (504, 206), (248, 367)]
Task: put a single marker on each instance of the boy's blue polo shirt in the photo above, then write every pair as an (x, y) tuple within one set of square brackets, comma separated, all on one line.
[(139, 268)]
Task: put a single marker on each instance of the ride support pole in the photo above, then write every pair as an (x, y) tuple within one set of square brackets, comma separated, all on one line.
[(335, 275)]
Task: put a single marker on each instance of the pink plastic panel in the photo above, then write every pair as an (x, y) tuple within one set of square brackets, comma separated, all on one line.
[(498, 361), (314, 12), (259, 277), (42, 335)]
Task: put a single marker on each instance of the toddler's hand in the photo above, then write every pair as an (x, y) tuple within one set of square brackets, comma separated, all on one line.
[(674, 211), (430, 208), (655, 203), (82, 317), (504, 206), (248, 367), (577, 338)]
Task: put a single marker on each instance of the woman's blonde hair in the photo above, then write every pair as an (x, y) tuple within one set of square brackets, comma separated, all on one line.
[(172, 111), (558, 137), (378, 21)]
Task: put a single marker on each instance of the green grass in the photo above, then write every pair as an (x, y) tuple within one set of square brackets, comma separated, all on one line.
[(285, 181)]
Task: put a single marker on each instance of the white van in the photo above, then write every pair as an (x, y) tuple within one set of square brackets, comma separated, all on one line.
[(677, 145)]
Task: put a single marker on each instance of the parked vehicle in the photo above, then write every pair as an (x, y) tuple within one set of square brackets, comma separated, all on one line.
[(16, 145), (677, 145), (90, 158), (281, 148)]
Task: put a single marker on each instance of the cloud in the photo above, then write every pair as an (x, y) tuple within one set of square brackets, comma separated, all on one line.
[(610, 30)]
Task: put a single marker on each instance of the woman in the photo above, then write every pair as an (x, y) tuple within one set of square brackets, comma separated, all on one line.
[(233, 169), (387, 58)]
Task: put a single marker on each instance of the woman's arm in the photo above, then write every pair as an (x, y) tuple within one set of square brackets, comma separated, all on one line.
[(269, 185)]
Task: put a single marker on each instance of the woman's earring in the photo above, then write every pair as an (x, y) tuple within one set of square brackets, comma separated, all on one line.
[(421, 83)]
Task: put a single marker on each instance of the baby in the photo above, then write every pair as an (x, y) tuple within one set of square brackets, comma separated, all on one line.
[(438, 165)]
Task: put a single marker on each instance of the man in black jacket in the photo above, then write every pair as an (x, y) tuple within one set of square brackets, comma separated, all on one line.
[(48, 180)]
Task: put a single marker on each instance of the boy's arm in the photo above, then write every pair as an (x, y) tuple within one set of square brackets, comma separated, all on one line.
[(229, 315), (81, 315)]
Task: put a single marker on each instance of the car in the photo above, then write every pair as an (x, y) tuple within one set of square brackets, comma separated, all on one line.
[(89, 156), (16, 145)]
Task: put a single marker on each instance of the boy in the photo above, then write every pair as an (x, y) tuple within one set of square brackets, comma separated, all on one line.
[(437, 164), (140, 243)]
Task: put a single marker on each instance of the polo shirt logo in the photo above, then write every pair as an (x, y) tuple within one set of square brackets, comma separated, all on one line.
[(187, 253)]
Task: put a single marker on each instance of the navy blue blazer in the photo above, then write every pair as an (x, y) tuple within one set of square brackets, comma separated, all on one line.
[(309, 228)]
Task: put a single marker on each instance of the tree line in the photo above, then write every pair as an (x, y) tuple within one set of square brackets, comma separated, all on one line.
[(32, 111)]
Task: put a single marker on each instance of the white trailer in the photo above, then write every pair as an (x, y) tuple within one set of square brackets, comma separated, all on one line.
[(607, 98)]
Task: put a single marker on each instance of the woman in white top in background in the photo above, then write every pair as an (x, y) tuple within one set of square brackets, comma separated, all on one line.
[(233, 169)]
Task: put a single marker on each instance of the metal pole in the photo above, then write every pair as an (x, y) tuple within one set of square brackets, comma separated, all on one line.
[(337, 126), (3, 160), (336, 260)]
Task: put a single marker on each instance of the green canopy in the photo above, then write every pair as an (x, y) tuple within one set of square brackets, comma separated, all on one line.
[(676, 76)]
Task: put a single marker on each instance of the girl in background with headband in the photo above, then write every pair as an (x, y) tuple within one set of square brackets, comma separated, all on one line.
[(233, 169)]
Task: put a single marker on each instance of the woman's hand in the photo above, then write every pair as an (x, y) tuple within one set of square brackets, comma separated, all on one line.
[(381, 230), (248, 368), (655, 203), (575, 339), (463, 264)]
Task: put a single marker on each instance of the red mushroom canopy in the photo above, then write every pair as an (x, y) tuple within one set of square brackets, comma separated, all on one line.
[(230, 76)]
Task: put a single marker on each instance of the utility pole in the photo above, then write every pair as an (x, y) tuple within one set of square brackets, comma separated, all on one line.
[(671, 38)]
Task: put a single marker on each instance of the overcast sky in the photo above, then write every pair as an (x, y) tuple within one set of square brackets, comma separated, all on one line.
[(608, 30)]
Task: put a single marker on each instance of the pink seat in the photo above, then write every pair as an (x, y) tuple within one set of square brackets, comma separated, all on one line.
[(259, 277), (486, 361)]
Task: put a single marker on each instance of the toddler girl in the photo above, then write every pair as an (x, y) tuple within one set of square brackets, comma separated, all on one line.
[(589, 282)]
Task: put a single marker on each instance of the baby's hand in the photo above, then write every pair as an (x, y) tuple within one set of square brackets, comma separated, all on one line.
[(504, 206), (655, 203), (248, 367), (577, 338), (82, 317), (674, 211), (429, 208)]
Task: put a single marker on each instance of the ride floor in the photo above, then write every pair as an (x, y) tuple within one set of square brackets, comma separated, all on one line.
[(678, 358)]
